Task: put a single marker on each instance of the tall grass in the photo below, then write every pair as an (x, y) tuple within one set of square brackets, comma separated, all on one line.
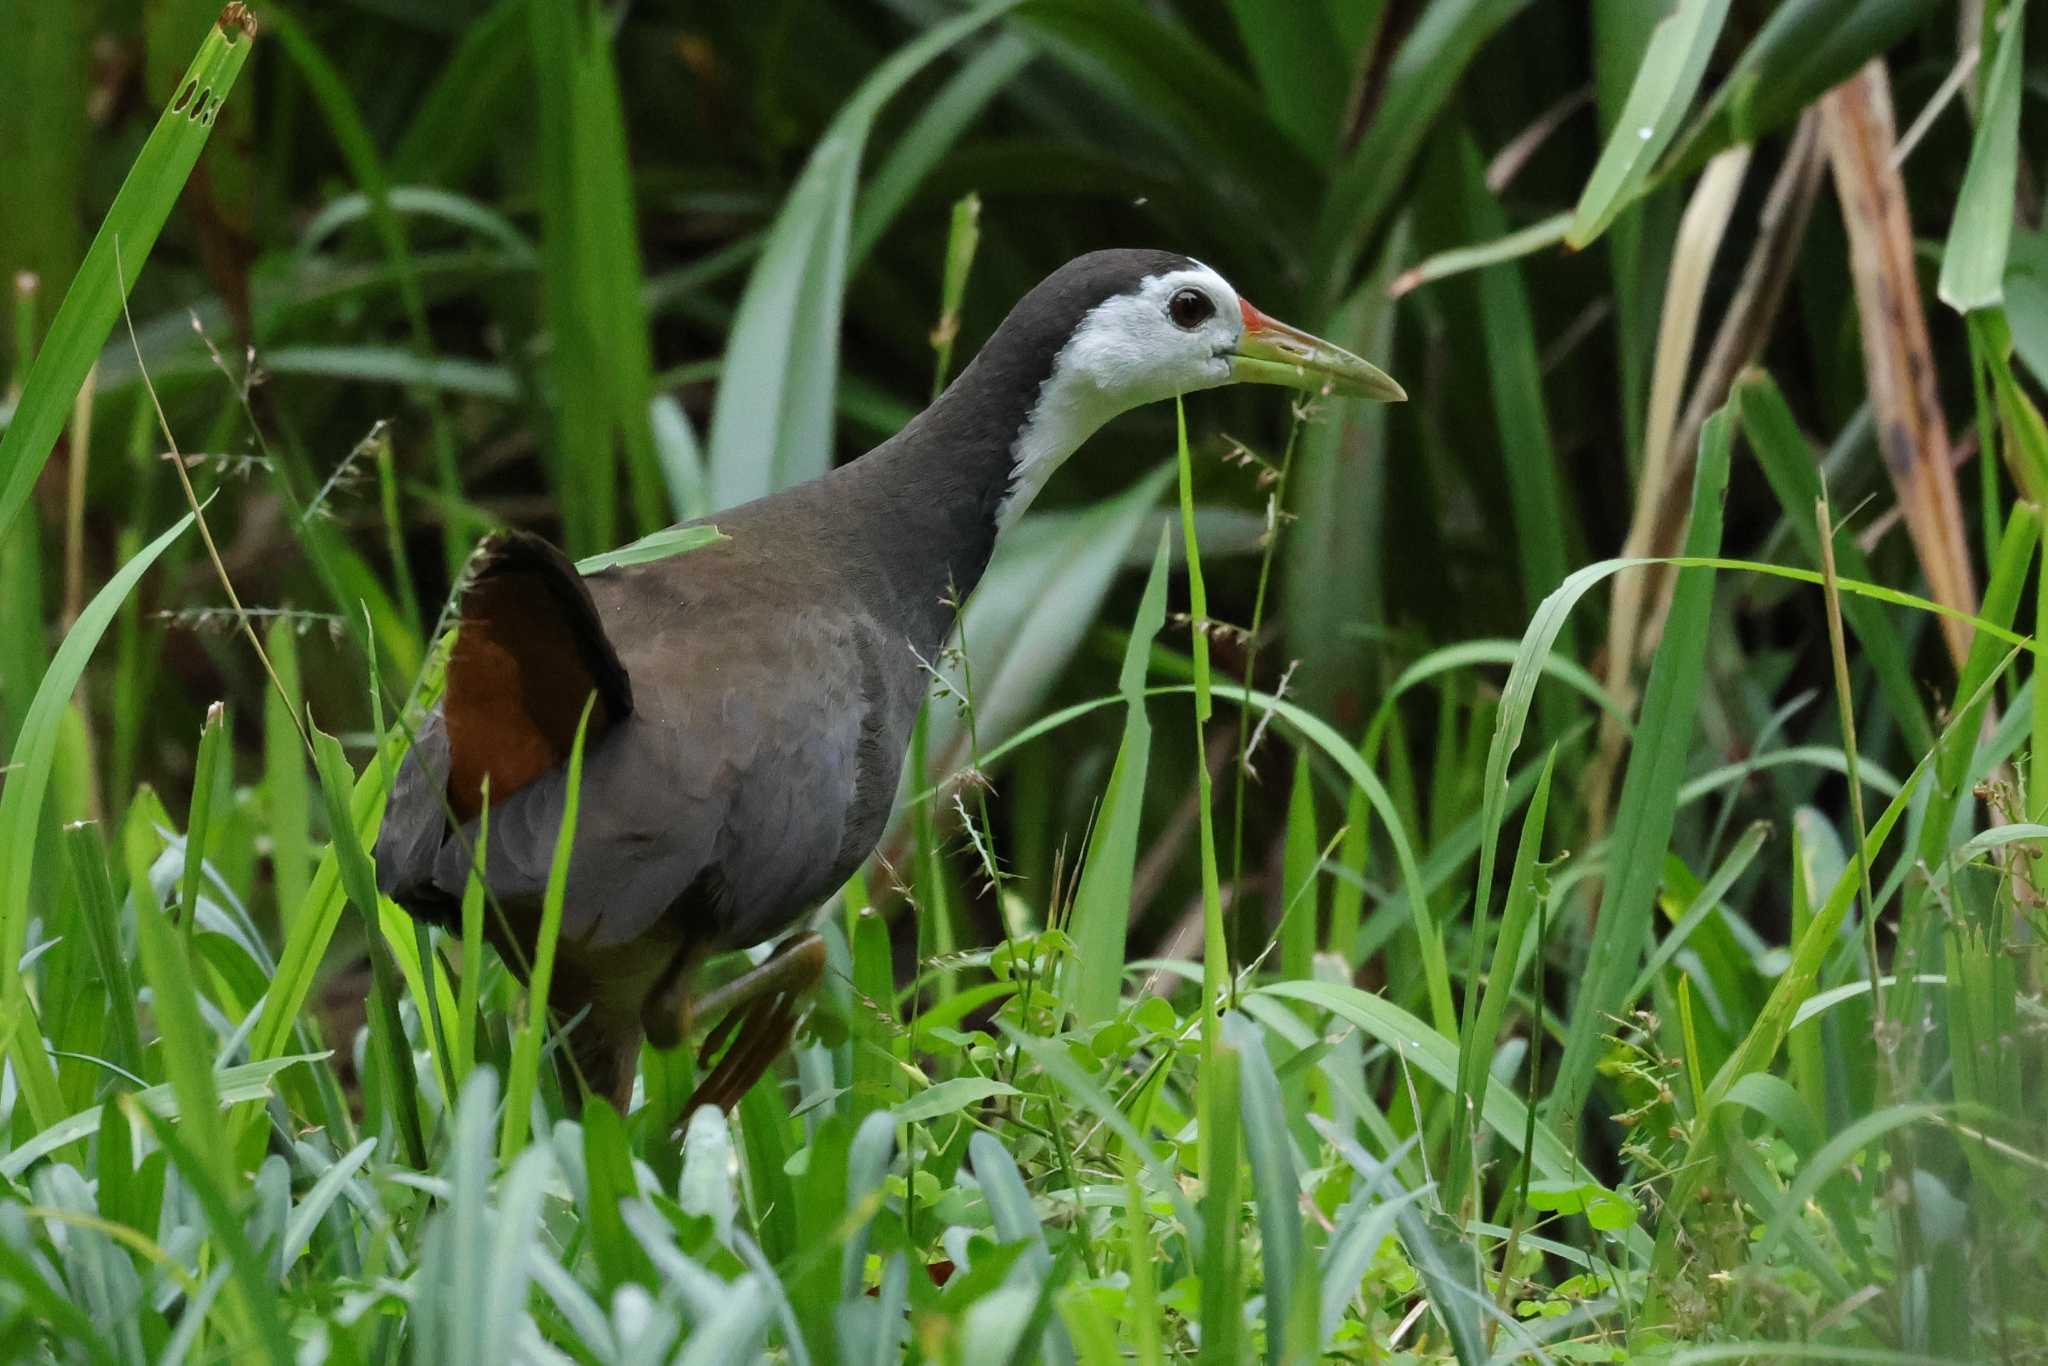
[(1621, 935)]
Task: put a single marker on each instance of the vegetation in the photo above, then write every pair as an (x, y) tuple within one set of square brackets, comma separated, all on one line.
[(1353, 917)]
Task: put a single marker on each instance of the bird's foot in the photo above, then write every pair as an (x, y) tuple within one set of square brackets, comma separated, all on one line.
[(758, 1011)]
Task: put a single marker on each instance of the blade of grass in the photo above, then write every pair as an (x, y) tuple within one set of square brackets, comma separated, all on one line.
[(1789, 465), (1216, 978), (312, 925), (1164, 78), (1301, 63), (210, 781), (21, 804), (1435, 1056), (1504, 249), (938, 127), (391, 1053), (1102, 902), (287, 797), (1419, 82), (137, 215), (1898, 357), (1664, 85), (186, 1044), (1481, 1035), (338, 105), (600, 358), (471, 985), (525, 1069), (1331, 563), (1292, 1294), (1802, 50), (1297, 908), (93, 890), (262, 1318), (1535, 487), (1973, 260), (1222, 1305), (772, 422), (1649, 792)]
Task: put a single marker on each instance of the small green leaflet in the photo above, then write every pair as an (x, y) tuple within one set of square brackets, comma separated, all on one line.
[(1604, 1209), (658, 545), (949, 1097)]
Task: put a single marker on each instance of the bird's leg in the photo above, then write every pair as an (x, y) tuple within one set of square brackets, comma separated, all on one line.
[(759, 1015)]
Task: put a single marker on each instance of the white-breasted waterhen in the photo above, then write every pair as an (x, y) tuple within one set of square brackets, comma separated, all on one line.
[(754, 697)]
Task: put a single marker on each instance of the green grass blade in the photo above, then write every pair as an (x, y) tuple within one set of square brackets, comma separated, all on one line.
[(1291, 1291), (1300, 855), (1535, 484), (525, 1069), (963, 240), (656, 545), (338, 105), (1788, 463), (1222, 1207), (1792, 989), (1332, 570), (1866, 1131), (1102, 903), (311, 927), (1973, 261), (1162, 77), (116, 257), (1300, 61), (772, 423), (262, 1316), (600, 359), (939, 125), (1649, 791), (453, 128), (93, 890), (1508, 247), (392, 1054), (1801, 51), (287, 796), (470, 987), (1032, 612), (1010, 1210), (21, 807), (1419, 82), (1482, 1027), (212, 773), (1665, 83), (232, 1085), (186, 1044), (1703, 905)]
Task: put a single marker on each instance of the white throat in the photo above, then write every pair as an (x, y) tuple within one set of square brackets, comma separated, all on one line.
[(1126, 352), (1069, 410)]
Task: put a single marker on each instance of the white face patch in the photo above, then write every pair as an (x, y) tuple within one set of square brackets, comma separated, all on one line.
[(1171, 335)]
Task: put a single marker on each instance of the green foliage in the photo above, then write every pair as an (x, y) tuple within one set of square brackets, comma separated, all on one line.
[(1424, 1051)]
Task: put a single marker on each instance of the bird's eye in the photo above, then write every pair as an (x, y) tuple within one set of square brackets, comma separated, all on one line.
[(1190, 308)]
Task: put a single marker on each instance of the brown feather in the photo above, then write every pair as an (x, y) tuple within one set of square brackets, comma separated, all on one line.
[(529, 653)]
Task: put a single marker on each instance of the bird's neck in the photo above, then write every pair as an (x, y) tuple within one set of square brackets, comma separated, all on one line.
[(965, 469)]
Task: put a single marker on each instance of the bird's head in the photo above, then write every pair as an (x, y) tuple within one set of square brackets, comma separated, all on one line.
[(1176, 326), (1114, 330)]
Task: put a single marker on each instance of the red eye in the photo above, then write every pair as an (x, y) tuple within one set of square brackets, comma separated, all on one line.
[(1190, 308)]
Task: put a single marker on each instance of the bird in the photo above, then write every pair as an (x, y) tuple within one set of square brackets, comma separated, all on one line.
[(749, 703)]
